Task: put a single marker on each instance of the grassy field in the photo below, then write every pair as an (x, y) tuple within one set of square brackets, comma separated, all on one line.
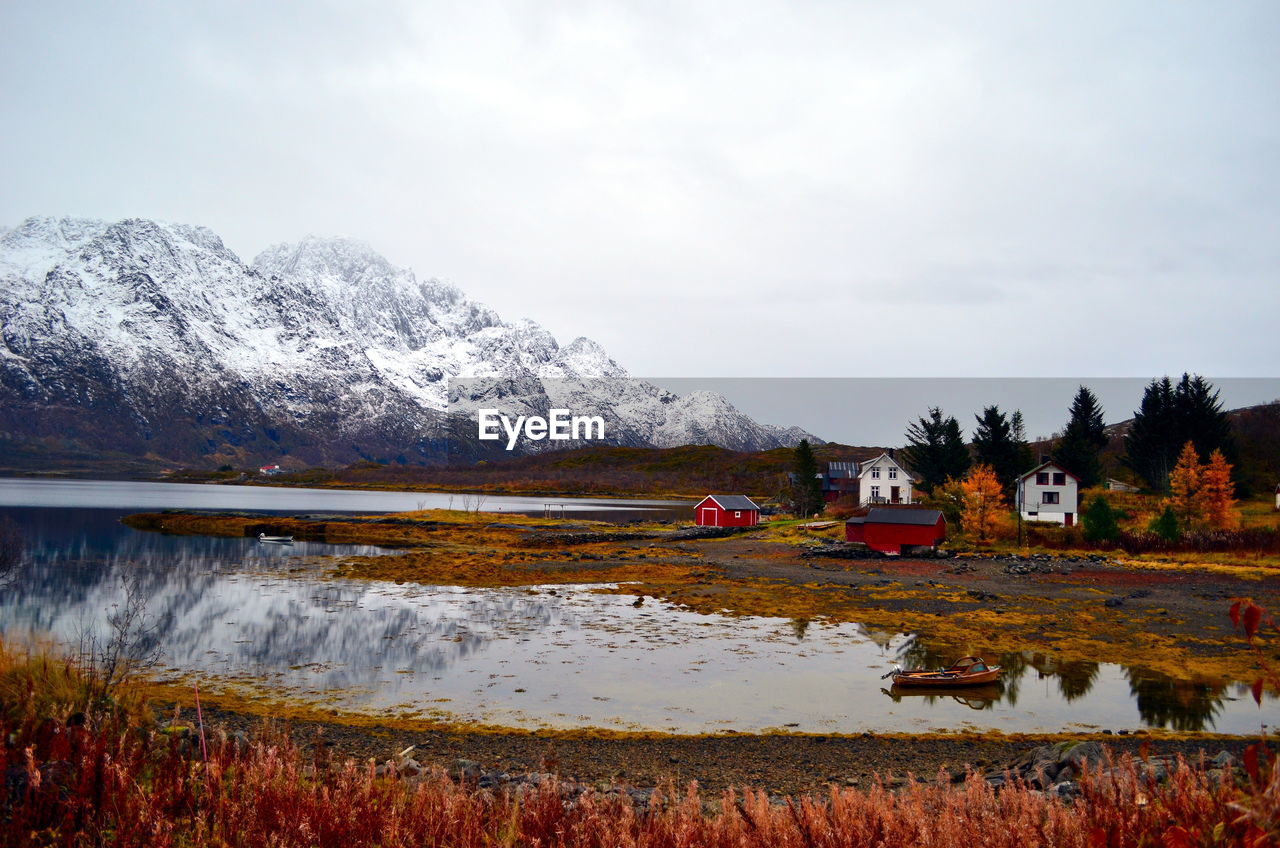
[(84, 773)]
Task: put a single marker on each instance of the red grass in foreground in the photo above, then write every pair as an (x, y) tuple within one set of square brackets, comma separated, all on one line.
[(127, 787)]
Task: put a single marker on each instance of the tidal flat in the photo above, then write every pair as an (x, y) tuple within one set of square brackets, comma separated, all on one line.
[(517, 640)]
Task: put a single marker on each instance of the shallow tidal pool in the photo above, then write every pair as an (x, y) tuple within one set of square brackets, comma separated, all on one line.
[(262, 618)]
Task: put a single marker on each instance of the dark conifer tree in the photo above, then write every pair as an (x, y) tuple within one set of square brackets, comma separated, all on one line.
[(1169, 417), (994, 445), (806, 488), (1201, 418), (1100, 522), (935, 449), (1026, 457), (1083, 440), (1151, 445)]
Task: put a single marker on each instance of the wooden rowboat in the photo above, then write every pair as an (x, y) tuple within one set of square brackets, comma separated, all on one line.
[(966, 671)]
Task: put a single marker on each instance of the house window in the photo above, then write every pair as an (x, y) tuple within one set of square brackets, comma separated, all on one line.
[(1059, 479), (1033, 514), (875, 491), (737, 514), (875, 473), (1042, 478), (1050, 498), (893, 474)]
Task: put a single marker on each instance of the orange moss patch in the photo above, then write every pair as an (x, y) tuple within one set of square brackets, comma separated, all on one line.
[(486, 569)]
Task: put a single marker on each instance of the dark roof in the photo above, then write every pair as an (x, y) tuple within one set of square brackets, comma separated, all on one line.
[(1048, 464), (837, 470), (879, 515), (734, 502)]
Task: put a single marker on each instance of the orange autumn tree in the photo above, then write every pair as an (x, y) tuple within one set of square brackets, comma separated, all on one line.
[(984, 507), (1186, 489), (1218, 493)]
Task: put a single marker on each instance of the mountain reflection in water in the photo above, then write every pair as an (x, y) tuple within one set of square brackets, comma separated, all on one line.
[(237, 610)]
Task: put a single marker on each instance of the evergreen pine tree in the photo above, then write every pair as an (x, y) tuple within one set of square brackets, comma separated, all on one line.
[(1100, 521), (1026, 457), (1151, 444), (955, 453), (993, 445), (1165, 525), (1083, 440), (1201, 419), (1170, 416), (935, 449), (806, 488)]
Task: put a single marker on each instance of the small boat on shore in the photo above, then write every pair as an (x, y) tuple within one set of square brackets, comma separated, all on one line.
[(275, 540), (966, 671)]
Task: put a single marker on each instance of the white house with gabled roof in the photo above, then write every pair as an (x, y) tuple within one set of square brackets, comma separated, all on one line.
[(876, 481), (1049, 492), (882, 480)]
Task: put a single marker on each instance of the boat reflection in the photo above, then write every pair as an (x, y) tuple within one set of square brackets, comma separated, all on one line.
[(973, 697)]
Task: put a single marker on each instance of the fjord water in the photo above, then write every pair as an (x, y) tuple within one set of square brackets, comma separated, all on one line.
[(141, 496), (264, 616)]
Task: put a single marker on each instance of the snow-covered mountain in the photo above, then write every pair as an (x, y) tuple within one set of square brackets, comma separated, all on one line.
[(156, 340)]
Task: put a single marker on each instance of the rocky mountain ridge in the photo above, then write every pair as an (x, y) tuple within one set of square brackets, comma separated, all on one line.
[(156, 340)]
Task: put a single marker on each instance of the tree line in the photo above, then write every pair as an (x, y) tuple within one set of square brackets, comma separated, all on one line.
[(1169, 416)]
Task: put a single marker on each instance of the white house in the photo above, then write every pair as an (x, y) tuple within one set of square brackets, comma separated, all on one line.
[(883, 480), (876, 481), (1049, 492)]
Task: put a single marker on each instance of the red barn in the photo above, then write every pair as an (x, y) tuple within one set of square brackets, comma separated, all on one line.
[(892, 530), (726, 511)]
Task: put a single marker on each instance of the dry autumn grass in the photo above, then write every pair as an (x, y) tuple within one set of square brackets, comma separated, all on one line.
[(115, 786), (80, 775)]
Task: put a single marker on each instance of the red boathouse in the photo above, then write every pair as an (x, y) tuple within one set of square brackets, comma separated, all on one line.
[(726, 511), (891, 531)]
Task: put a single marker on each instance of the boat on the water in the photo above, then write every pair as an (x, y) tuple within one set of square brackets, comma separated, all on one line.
[(966, 671), (275, 540)]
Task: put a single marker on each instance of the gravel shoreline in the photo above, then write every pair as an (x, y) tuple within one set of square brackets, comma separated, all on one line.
[(782, 765)]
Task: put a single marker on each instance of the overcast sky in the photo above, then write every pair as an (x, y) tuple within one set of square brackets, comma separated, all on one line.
[(741, 189)]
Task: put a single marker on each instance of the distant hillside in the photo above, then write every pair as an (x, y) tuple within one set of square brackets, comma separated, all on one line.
[(690, 471)]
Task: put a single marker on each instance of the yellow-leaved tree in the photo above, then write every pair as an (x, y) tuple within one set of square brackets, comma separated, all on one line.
[(1219, 493), (1186, 489), (984, 505)]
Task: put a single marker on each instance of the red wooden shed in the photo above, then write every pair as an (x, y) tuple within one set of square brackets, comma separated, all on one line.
[(726, 511), (891, 530)]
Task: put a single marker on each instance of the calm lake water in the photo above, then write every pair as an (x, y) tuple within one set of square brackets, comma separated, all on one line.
[(110, 494), (236, 610)]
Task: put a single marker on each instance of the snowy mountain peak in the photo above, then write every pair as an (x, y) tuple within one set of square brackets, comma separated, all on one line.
[(349, 261), (157, 339)]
